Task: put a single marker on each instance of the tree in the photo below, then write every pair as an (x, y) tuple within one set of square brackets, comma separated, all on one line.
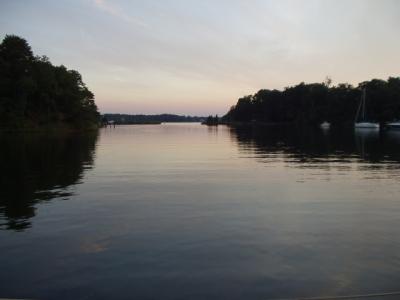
[(317, 102), (33, 92)]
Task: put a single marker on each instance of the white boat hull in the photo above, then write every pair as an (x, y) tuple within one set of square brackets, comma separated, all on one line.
[(367, 125), (393, 125), (325, 125)]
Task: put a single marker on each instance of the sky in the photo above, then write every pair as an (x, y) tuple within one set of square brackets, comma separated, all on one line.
[(198, 57)]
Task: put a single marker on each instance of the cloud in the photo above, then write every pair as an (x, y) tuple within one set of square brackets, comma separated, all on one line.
[(206, 54), (117, 12)]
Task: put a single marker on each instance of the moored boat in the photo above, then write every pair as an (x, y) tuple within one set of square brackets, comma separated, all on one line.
[(325, 125), (362, 122), (393, 125)]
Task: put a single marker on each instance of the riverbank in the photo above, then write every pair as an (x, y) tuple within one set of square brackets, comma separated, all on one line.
[(52, 128), (139, 123)]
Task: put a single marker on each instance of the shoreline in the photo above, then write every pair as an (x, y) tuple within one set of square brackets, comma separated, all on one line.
[(50, 128)]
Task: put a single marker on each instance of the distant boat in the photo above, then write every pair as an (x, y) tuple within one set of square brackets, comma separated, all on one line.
[(325, 125), (362, 122), (393, 125)]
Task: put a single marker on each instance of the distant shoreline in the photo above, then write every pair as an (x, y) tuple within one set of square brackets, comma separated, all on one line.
[(147, 119)]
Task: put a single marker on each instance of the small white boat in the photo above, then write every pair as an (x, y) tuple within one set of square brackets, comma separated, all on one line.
[(393, 125), (325, 125), (363, 123)]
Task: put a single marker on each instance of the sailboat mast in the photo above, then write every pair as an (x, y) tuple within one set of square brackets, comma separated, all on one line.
[(358, 110), (363, 103), (362, 110)]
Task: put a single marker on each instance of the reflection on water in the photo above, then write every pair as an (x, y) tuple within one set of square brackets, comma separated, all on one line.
[(36, 168), (184, 211), (300, 145)]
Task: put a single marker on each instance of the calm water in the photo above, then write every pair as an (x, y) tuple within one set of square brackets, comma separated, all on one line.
[(184, 211)]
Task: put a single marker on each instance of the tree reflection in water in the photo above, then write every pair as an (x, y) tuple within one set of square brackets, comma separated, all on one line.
[(313, 145), (37, 168)]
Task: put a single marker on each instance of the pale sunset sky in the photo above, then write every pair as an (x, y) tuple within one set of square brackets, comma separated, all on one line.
[(199, 57)]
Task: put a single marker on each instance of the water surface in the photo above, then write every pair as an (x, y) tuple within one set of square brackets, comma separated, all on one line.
[(184, 211)]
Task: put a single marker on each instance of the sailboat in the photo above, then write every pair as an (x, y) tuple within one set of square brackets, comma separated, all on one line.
[(363, 123)]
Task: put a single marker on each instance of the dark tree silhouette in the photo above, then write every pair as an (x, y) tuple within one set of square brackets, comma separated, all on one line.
[(150, 119), (34, 93), (318, 102), (211, 120)]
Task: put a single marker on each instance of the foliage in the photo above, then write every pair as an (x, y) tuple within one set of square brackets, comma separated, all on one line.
[(33, 92), (212, 120), (318, 102)]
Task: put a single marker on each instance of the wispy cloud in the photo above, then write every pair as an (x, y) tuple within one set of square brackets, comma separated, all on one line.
[(199, 56), (117, 12)]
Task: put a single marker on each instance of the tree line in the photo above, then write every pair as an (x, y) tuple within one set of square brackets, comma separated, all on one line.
[(35, 93), (318, 102), (143, 119)]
